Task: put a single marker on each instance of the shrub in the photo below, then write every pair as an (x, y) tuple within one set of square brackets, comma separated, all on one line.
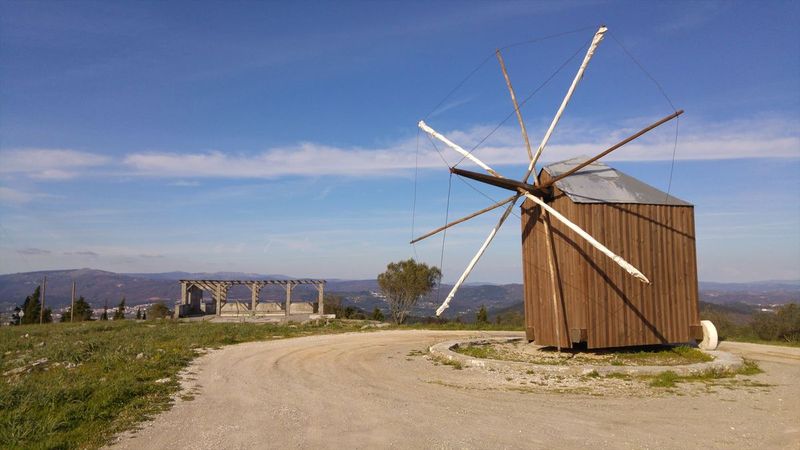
[(482, 316), (783, 325), (158, 311)]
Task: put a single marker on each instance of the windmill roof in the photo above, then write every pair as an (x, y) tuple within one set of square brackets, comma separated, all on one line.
[(599, 183)]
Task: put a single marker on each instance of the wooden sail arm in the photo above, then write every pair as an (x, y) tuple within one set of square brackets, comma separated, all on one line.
[(603, 249), (505, 183), (446, 303), (598, 37), (465, 218), (613, 147), (424, 127), (516, 105)]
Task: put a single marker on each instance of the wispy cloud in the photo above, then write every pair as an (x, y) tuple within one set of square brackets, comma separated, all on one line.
[(693, 15), (756, 138), (30, 251), (48, 164), (83, 253), (752, 138), (151, 255), (451, 105), (17, 197), (185, 183)]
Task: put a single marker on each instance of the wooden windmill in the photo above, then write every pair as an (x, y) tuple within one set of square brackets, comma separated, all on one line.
[(608, 306)]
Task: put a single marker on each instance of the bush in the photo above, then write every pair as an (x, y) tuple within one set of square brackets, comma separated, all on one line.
[(482, 317), (158, 311), (783, 325)]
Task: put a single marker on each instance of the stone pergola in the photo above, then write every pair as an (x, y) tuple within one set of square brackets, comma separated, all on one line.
[(192, 303)]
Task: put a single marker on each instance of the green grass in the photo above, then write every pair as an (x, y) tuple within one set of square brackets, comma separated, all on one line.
[(670, 379), (644, 356), (454, 363), (657, 356), (666, 379), (92, 384), (478, 351)]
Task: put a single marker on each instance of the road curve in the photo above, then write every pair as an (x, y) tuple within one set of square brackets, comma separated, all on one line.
[(368, 390)]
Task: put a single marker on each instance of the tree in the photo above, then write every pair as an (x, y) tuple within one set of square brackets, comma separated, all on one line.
[(47, 317), (119, 314), (482, 317), (138, 313), (83, 311), (144, 315), (31, 308), (404, 282), (377, 314), (158, 311)]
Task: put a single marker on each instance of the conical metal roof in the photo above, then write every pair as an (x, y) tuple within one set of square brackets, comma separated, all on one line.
[(599, 183)]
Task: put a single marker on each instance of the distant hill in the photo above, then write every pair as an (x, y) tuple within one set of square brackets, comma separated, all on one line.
[(97, 286), (754, 287), (469, 299), (94, 285), (755, 293)]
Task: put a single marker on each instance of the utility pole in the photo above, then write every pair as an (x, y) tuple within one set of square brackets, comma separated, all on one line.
[(41, 311), (72, 307)]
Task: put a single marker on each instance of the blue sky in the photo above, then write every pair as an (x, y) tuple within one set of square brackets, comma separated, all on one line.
[(281, 138)]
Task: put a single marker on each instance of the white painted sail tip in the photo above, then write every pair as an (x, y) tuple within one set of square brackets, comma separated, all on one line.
[(421, 124), (445, 304), (598, 37)]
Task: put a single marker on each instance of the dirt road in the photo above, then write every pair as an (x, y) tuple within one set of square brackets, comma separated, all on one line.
[(374, 390)]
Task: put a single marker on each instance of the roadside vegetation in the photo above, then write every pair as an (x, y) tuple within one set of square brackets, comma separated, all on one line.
[(670, 379), (779, 327), (76, 385)]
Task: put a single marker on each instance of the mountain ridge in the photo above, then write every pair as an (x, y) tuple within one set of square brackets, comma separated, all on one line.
[(98, 285)]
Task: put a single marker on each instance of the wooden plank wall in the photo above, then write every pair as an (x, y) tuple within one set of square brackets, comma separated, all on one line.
[(596, 294)]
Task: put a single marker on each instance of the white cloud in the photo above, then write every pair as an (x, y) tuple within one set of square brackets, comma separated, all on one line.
[(753, 138), (185, 183), (151, 255), (756, 138), (82, 253), (8, 195), (48, 164), (31, 251)]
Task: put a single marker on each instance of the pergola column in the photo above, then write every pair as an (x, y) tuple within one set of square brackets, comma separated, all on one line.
[(219, 299), (321, 301), (289, 287), (255, 288), (183, 293)]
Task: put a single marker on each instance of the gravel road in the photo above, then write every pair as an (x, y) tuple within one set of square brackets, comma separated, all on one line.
[(375, 390)]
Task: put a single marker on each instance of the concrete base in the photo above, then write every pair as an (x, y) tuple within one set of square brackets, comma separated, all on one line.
[(722, 361), (270, 318), (322, 316), (268, 308)]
